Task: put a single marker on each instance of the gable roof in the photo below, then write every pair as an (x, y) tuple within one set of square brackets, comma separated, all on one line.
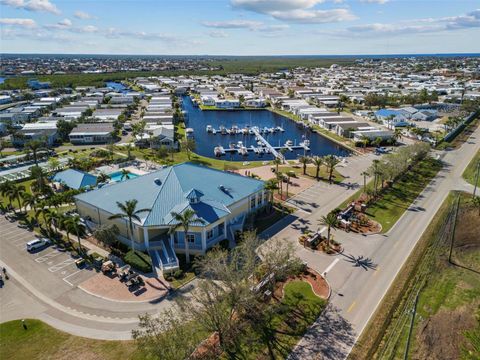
[(75, 179), (168, 189)]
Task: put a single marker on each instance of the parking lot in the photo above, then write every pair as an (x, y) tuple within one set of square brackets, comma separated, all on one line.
[(48, 264)]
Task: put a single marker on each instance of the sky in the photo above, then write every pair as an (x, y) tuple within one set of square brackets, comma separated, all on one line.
[(240, 27)]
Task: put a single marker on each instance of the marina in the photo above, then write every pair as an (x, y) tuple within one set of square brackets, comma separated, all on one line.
[(253, 135)]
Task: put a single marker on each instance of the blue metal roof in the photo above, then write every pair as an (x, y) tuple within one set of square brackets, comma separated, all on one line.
[(387, 112), (75, 179), (170, 192)]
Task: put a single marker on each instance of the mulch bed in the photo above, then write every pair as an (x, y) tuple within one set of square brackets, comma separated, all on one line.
[(319, 284)]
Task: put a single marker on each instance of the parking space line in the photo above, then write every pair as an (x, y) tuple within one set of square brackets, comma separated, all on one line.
[(48, 256), (66, 277), (350, 308), (61, 265)]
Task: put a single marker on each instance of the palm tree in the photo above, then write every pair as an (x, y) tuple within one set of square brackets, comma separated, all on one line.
[(29, 201), (5, 189), (331, 222), (184, 221), (376, 172), (270, 186), (318, 162), (129, 212), (279, 178), (16, 192), (40, 185), (304, 160), (35, 146), (276, 162), (46, 214), (102, 178), (289, 175), (74, 225), (331, 161), (53, 164), (364, 140), (365, 174), (125, 175)]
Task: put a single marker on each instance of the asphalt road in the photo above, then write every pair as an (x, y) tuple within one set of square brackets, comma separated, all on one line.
[(362, 275)]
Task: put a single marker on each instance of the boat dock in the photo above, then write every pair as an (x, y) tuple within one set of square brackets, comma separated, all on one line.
[(271, 149)]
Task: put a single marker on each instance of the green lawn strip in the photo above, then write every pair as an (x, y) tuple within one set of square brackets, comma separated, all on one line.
[(311, 172), (301, 307), (470, 171), (461, 137), (139, 261), (394, 201), (41, 341)]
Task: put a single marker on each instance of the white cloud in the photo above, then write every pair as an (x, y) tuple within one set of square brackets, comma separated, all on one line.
[(25, 23), (65, 23), (295, 11), (314, 16), (33, 5), (232, 24), (428, 25), (82, 15), (218, 34), (268, 6), (88, 29)]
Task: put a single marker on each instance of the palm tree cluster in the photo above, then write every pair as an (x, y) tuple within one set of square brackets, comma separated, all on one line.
[(392, 166), (330, 161)]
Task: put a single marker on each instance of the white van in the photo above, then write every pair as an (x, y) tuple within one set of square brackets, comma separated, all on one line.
[(37, 244)]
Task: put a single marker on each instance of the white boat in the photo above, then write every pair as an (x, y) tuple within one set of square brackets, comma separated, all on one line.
[(305, 142), (240, 144), (189, 132), (217, 151), (214, 131), (289, 143), (209, 128), (281, 129), (243, 151)]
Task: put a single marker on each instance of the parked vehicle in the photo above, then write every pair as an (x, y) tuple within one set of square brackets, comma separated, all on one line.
[(38, 244), (80, 263)]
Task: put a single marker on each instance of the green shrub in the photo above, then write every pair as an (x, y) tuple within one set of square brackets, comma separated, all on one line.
[(178, 274), (139, 261)]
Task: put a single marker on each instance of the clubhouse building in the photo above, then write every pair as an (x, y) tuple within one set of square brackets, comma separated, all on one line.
[(221, 199)]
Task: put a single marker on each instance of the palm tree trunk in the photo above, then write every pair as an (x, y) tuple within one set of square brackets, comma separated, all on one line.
[(328, 237), (187, 250), (317, 172), (79, 242), (131, 234)]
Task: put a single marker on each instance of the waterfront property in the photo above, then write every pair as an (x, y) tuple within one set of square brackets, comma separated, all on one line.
[(220, 199), (91, 134)]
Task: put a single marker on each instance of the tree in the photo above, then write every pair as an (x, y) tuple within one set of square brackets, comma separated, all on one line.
[(35, 146), (304, 160), (6, 188), (125, 174), (331, 222), (270, 186), (277, 162), (290, 174), (167, 336), (107, 234), (102, 178), (375, 171), (3, 145), (64, 128), (279, 177), (16, 192), (365, 174), (318, 162), (331, 161), (188, 145), (184, 221), (129, 212), (76, 227), (29, 201), (53, 164), (40, 184)]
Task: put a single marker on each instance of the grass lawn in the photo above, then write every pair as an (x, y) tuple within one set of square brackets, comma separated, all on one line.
[(395, 201), (139, 261), (300, 308), (41, 341), (448, 304), (26, 184), (470, 171), (311, 172)]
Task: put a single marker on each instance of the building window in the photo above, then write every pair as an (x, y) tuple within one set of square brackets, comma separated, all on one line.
[(252, 202), (210, 234), (220, 229), (191, 238)]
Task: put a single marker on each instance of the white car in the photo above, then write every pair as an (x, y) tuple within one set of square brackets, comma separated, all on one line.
[(38, 244)]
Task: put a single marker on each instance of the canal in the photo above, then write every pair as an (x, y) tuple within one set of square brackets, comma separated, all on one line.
[(206, 142)]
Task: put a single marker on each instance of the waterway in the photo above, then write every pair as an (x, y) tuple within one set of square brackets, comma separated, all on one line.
[(206, 142)]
